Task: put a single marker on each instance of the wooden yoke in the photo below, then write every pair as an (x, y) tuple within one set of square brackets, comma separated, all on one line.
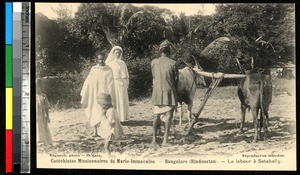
[(216, 79), (219, 75)]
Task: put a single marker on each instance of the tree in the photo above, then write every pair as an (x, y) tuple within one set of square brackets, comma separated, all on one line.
[(46, 38), (260, 35), (65, 47)]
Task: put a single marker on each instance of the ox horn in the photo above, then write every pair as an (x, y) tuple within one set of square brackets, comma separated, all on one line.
[(252, 63), (197, 63), (187, 64), (200, 68), (259, 38), (239, 64)]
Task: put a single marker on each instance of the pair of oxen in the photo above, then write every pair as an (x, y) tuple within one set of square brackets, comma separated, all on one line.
[(254, 92)]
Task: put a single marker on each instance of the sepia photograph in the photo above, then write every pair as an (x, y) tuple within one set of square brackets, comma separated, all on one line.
[(166, 86)]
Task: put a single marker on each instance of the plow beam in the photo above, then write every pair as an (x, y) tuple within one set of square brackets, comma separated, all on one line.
[(216, 79)]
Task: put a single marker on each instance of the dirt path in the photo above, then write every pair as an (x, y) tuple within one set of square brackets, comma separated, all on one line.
[(215, 134)]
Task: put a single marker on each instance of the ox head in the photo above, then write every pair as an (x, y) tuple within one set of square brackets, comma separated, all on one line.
[(240, 66), (197, 68), (253, 69)]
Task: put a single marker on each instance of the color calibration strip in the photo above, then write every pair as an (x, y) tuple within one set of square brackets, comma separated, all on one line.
[(17, 70), (9, 87)]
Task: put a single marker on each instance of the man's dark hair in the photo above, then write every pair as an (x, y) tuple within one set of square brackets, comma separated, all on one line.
[(100, 53), (165, 50)]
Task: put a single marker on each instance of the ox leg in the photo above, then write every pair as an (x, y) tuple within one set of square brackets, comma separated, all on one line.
[(167, 126), (189, 111), (255, 122), (265, 124), (261, 120), (172, 124), (267, 117), (243, 113), (179, 112), (155, 127)]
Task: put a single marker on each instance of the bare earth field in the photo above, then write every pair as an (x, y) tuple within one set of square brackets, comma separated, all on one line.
[(215, 135)]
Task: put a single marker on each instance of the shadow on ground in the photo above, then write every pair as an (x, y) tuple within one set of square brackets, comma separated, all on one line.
[(205, 131), (136, 123)]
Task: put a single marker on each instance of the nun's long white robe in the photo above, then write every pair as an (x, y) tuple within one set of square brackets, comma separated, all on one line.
[(99, 80), (121, 81)]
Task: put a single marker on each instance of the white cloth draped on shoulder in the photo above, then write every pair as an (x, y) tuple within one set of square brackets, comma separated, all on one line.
[(121, 82), (99, 80)]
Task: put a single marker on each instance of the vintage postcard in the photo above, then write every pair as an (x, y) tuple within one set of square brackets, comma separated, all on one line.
[(165, 86)]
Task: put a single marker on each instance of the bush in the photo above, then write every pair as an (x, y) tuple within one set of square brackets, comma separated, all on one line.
[(140, 82), (64, 89)]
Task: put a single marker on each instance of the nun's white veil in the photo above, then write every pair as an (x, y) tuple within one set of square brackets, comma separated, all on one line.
[(118, 66), (111, 55)]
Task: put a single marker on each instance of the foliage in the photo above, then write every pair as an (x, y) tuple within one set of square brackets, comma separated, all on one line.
[(65, 47), (149, 32), (260, 35), (140, 82), (57, 47)]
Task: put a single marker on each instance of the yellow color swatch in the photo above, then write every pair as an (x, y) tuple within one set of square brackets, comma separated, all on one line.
[(9, 108)]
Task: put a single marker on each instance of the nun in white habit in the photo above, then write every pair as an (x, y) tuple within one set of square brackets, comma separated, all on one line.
[(121, 81)]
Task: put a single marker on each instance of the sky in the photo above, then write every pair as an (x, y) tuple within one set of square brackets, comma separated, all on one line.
[(188, 9)]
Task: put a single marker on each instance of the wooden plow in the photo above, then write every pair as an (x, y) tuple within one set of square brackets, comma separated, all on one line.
[(216, 79)]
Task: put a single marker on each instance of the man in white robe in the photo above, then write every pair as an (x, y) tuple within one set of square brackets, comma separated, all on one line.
[(99, 80)]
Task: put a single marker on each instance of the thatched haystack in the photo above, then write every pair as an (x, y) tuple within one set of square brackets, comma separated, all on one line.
[(220, 55), (217, 47)]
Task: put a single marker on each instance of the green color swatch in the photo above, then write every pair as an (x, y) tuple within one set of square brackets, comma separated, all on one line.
[(8, 66)]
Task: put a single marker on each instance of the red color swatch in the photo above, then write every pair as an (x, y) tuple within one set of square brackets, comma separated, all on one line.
[(9, 151)]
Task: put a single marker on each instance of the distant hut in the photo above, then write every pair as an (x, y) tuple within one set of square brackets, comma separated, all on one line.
[(289, 70), (284, 70)]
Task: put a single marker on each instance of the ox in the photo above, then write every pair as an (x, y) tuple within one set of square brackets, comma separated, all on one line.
[(255, 93), (188, 81)]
